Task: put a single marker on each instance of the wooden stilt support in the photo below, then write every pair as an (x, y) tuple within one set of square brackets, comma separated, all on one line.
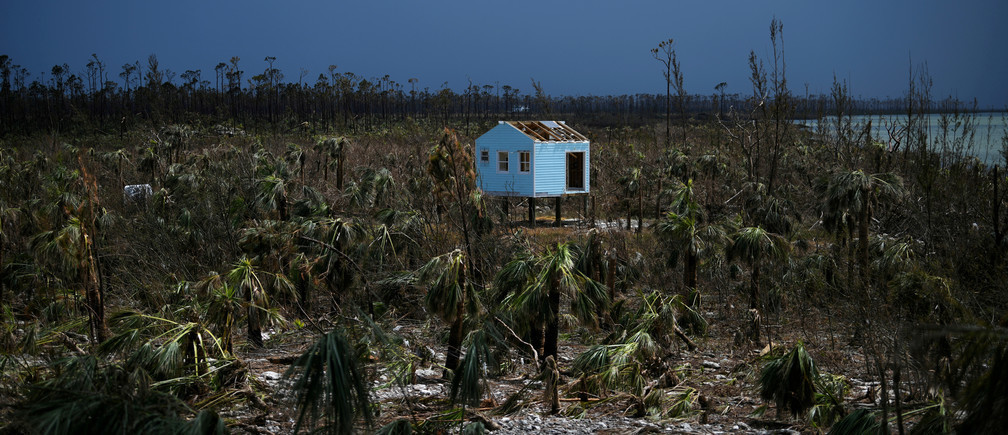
[(531, 211), (558, 220)]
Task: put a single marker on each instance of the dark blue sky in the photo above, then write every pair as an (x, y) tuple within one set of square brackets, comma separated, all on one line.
[(571, 47)]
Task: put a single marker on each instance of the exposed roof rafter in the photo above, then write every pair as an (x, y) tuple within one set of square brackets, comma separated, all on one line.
[(548, 131)]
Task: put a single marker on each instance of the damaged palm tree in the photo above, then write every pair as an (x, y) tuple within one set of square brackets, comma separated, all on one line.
[(790, 381), (557, 276), (332, 150), (689, 235), (452, 165), (854, 194), (753, 245), (164, 348), (71, 250), (447, 295), (247, 288), (634, 350)]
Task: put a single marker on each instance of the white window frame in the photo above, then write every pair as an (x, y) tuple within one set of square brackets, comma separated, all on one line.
[(503, 162), (484, 156), (524, 162)]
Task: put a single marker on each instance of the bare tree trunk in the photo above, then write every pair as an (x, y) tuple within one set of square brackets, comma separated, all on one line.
[(254, 326), (658, 197), (997, 212), (690, 279), (87, 262), (640, 208), (339, 168), (552, 379), (611, 275), (629, 211), (863, 236), (552, 323), (454, 343), (896, 396), (228, 328), (884, 397), (850, 256), (536, 336), (455, 332), (754, 288), (92, 290)]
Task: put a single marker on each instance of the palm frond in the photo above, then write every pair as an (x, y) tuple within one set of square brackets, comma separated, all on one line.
[(401, 426), (754, 243), (935, 421), (475, 366), (91, 398), (514, 276), (860, 422), (330, 387), (474, 428), (445, 275), (683, 403), (829, 397)]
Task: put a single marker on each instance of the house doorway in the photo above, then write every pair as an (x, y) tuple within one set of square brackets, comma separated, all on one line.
[(575, 170)]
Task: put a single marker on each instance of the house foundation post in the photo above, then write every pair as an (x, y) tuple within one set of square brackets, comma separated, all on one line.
[(558, 220), (531, 211)]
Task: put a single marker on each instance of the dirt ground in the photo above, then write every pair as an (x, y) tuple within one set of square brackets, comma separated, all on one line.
[(723, 371)]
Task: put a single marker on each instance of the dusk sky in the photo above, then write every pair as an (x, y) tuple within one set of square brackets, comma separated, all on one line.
[(572, 48)]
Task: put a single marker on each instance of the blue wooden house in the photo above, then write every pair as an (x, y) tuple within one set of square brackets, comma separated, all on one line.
[(533, 159)]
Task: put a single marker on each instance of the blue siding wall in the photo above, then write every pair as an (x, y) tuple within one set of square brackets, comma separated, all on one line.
[(504, 137), (551, 160)]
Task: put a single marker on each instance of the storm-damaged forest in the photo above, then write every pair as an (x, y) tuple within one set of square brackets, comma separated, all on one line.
[(314, 253)]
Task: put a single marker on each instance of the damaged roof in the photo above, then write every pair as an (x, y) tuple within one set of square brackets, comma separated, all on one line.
[(548, 131)]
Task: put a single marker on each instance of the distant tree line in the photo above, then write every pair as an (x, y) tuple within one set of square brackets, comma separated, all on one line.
[(105, 98)]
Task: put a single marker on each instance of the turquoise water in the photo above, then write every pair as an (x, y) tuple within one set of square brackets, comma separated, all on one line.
[(988, 131)]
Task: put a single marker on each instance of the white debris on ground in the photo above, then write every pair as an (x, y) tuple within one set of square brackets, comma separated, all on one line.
[(534, 423)]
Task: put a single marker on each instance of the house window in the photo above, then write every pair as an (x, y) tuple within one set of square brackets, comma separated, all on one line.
[(524, 161), (502, 161), (484, 156)]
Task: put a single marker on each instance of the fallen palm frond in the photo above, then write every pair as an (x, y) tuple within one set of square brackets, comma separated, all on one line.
[(467, 382), (673, 403), (88, 397), (399, 426), (474, 428), (611, 367), (330, 388), (164, 348), (517, 401), (829, 396), (936, 419), (683, 404), (974, 372), (860, 422)]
